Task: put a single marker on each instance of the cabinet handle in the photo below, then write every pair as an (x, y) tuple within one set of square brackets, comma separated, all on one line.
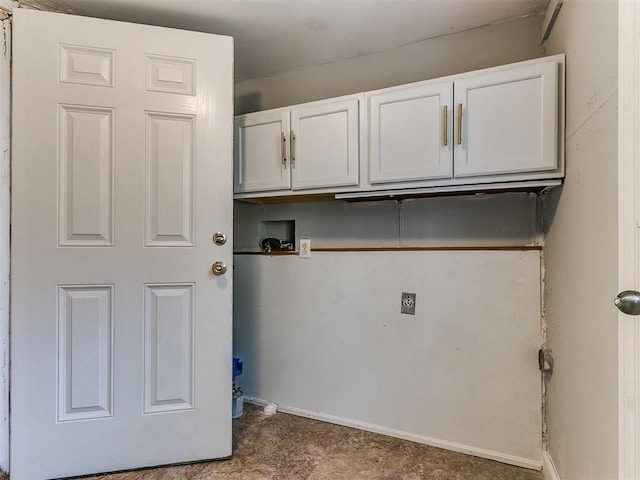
[(283, 150), (293, 149), (445, 116), (459, 124)]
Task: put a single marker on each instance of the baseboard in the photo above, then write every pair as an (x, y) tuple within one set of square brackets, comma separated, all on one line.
[(456, 447), (255, 401), (548, 468)]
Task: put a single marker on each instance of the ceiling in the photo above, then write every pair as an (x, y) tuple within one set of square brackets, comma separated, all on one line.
[(274, 36)]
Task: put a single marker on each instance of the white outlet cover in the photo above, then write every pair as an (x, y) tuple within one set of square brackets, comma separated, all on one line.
[(305, 248)]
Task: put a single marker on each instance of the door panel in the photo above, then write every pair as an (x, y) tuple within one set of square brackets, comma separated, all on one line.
[(169, 174), (85, 355), (168, 348), (170, 75), (122, 142), (86, 65), (86, 176)]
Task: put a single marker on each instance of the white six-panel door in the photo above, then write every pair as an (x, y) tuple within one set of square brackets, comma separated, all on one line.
[(122, 171)]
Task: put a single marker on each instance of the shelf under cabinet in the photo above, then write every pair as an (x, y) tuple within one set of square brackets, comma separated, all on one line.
[(533, 186)]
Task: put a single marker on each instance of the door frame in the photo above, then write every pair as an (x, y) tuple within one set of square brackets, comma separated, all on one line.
[(6, 8), (628, 235)]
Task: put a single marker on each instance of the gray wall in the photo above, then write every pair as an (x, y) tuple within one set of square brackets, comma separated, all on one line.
[(325, 337), (485, 220), (471, 50), (581, 250)]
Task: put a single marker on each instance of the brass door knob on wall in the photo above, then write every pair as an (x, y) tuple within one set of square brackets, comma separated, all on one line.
[(219, 268)]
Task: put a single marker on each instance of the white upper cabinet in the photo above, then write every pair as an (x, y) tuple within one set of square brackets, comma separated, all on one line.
[(495, 125), (409, 132), (314, 146), (498, 128), (261, 152), (508, 121)]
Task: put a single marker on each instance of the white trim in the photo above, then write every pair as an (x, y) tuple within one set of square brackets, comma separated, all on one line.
[(628, 222), (255, 401), (5, 222), (368, 427), (8, 5), (549, 471)]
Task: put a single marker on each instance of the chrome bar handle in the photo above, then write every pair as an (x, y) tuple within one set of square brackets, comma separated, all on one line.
[(293, 149), (459, 124), (445, 117), (283, 150)]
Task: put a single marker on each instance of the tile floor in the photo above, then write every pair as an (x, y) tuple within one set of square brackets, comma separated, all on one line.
[(286, 447)]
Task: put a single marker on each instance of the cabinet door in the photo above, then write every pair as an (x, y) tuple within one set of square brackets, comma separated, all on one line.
[(410, 133), (509, 121), (261, 152), (324, 141)]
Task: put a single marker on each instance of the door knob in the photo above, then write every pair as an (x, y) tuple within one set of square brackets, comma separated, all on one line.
[(628, 302), (219, 238), (219, 268)]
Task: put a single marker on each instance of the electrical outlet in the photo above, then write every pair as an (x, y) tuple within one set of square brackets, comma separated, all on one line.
[(305, 248), (408, 304)]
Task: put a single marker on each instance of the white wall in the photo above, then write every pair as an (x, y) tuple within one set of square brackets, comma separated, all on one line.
[(5, 211), (581, 250), (325, 335), (484, 220), (471, 50)]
